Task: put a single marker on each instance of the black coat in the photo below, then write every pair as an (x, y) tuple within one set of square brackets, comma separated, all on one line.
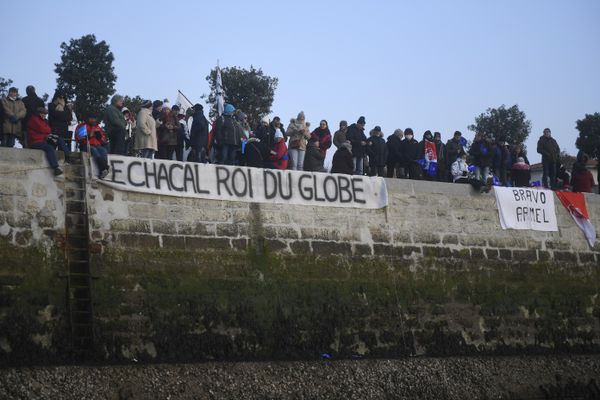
[(481, 153), (394, 148), (453, 149), (377, 151), (410, 151), (227, 131), (255, 154), (199, 131), (272, 133), (313, 159), (59, 120), (342, 162), (356, 135)]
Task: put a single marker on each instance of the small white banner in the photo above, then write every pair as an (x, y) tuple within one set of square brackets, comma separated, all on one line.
[(221, 182), (524, 208)]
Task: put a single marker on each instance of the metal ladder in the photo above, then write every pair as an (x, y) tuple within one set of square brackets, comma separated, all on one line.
[(79, 279)]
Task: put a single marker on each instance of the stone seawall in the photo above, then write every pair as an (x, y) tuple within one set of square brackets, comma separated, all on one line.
[(182, 279)]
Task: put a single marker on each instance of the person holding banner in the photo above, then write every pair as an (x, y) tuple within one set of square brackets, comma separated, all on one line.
[(90, 132)]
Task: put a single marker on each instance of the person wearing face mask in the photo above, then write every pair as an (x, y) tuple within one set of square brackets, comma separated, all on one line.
[(410, 154), (90, 132), (14, 113), (40, 137)]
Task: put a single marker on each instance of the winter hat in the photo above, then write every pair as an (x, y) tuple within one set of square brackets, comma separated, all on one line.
[(125, 109), (398, 132), (520, 160), (265, 120), (278, 134), (377, 128), (229, 109), (301, 116), (361, 121), (146, 104)]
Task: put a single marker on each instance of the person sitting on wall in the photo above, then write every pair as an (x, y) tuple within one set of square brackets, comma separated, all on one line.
[(520, 173), (279, 153), (98, 141), (460, 171), (343, 162), (39, 137)]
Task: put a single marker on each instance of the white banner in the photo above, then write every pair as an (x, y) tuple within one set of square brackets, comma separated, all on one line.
[(221, 182), (524, 208)]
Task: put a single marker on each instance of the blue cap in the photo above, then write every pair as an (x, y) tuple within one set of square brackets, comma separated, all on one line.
[(229, 109)]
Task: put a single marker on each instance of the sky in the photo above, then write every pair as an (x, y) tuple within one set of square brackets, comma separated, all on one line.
[(426, 65)]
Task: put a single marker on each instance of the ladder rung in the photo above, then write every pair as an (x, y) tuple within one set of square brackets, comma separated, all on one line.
[(77, 212), (79, 274)]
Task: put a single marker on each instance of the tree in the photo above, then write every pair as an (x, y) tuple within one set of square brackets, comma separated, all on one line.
[(134, 104), (86, 73), (250, 90), (589, 135), (508, 124), (4, 86)]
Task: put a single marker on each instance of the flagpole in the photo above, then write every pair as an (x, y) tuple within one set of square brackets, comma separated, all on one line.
[(180, 92)]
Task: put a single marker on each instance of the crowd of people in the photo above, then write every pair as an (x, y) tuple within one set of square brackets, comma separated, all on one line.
[(164, 132)]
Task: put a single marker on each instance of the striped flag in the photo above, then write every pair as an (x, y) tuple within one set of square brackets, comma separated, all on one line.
[(575, 205), (220, 93)]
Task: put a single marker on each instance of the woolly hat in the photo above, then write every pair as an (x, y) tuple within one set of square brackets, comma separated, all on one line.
[(265, 120), (146, 104), (361, 121), (398, 132), (301, 116), (377, 128)]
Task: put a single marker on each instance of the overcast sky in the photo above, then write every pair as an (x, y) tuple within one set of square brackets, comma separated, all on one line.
[(426, 65)]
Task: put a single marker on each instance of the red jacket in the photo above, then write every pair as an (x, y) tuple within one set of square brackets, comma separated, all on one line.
[(582, 180), (279, 155), (324, 138), (38, 130), (91, 133)]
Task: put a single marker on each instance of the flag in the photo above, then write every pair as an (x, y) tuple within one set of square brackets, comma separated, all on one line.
[(575, 205), (183, 103), (220, 93), (430, 161), (81, 132)]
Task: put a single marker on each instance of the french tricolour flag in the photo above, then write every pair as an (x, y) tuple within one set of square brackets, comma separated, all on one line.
[(575, 205)]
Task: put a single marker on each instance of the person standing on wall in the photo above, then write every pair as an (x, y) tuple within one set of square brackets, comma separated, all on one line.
[(199, 135), (227, 136), (358, 140), (481, 153), (410, 155), (395, 163), (377, 152), (32, 103), (115, 125), (440, 148), (550, 152), (298, 133), (60, 115), (323, 136), (145, 133), (14, 113), (454, 148), (339, 137)]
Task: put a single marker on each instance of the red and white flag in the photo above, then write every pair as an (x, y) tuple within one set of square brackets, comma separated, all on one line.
[(575, 204)]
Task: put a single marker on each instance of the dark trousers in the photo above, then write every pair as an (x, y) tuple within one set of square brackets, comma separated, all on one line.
[(198, 154), (549, 172), (165, 151), (51, 151), (117, 142), (376, 170), (228, 154), (8, 140)]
